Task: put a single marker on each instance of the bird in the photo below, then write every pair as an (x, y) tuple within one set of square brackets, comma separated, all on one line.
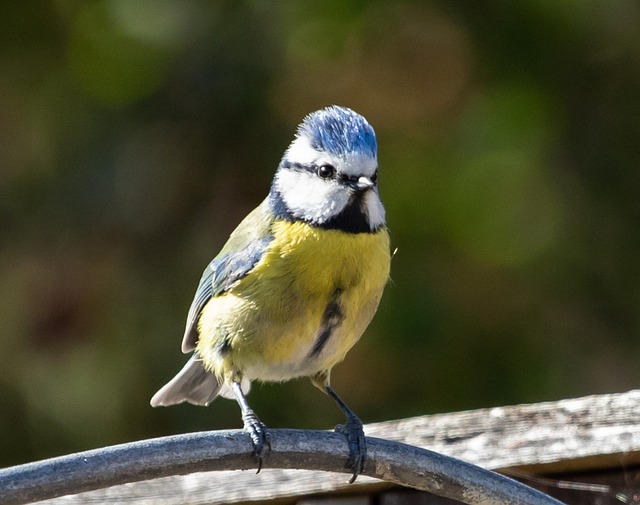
[(297, 282)]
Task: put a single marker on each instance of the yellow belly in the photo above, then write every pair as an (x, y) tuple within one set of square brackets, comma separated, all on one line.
[(265, 326)]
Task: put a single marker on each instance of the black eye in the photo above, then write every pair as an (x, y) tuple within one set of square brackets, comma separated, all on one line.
[(374, 177), (326, 171)]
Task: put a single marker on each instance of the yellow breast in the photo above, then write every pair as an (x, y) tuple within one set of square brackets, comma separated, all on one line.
[(266, 325)]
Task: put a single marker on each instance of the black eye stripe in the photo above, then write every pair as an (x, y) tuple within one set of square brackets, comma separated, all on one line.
[(314, 168), (303, 167), (297, 166)]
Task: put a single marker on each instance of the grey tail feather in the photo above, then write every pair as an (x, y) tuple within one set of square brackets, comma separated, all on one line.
[(192, 384)]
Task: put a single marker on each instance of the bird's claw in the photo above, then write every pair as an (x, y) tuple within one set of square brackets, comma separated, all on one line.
[(354, 433), (259, 437)]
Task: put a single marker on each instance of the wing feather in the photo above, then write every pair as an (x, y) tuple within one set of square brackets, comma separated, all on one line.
[(243, 250)]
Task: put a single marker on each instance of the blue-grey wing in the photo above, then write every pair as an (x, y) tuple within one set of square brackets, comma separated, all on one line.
[(243, 250)]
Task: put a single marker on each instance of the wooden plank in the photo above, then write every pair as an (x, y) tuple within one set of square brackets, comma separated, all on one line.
[(591, 433)]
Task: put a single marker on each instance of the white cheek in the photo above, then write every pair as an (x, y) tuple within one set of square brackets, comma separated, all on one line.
[(308, 197)]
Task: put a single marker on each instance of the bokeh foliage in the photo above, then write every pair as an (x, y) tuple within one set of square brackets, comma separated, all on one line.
[(136, 134)]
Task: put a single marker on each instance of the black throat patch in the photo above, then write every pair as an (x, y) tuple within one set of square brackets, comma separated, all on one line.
[(352, 219)]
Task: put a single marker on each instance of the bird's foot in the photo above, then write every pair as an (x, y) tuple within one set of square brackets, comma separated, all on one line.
[(259, 436), (354, 433)]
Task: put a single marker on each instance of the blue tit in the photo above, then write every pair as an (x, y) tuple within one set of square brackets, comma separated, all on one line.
[(297, 282)]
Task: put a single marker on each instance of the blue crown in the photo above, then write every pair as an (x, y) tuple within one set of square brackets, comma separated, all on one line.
[(339, 131)]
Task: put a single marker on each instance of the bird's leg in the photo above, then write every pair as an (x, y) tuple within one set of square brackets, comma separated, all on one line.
[(352, 429), (252, 424)]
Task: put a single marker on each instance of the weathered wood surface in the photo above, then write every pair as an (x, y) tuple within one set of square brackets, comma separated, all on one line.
[(592, 432), (584, 433)]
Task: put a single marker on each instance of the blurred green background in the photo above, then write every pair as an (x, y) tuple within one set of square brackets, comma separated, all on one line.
[(135, 134)]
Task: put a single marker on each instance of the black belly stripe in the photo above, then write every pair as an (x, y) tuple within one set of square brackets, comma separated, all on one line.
[(331, 319), (223, 347)]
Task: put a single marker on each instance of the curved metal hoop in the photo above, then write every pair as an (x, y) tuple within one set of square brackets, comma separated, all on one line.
[(227, 450)]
